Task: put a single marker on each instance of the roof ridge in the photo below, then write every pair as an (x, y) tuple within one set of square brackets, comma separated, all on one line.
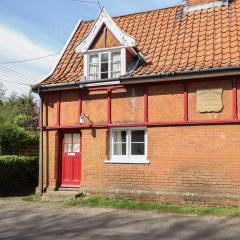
[(140, 12)]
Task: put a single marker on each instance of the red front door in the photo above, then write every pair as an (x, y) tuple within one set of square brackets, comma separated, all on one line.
[(71, 160)]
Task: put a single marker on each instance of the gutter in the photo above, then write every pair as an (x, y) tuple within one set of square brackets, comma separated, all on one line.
[(41, 145), (158, 77)]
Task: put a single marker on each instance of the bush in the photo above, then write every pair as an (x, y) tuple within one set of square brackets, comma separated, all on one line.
[(18, 173)]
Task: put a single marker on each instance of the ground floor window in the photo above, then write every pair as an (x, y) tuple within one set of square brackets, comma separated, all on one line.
[(128, 145)]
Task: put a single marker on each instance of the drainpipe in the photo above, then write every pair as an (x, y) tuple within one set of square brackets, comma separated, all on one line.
[(41, 144)]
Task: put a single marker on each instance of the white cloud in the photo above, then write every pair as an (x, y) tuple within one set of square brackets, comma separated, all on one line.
[(15, 46)]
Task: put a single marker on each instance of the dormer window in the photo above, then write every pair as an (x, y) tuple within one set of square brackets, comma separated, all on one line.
[(108, 51), (104, 65)]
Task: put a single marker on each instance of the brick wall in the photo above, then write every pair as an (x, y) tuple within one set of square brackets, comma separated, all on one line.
[(187, 163)]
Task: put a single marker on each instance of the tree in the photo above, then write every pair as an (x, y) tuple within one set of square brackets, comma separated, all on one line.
[(2, 92), (18, 123)]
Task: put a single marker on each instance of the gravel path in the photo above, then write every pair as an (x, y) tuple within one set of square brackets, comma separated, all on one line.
[(22, 220)]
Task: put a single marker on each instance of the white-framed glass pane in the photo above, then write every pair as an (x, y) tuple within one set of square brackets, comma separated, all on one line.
[(120, 136), (104, 57), (138, 148), (67, 147), (116, 56), (67, 138), (93, 69), (76, 147), (137, 136), (137, 142), (115, 74), (119, 149), (120, 143), (76, 138), (93, 59), (93, 76)]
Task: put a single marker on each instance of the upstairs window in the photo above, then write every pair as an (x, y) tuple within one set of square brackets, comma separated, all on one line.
[(104, 65)]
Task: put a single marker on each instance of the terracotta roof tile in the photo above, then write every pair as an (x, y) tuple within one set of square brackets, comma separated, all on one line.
[(170, 40)]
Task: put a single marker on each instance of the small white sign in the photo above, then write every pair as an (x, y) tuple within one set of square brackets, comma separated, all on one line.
[(71, 154)]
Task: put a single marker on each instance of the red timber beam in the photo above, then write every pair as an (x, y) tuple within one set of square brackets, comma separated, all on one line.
[(109, 106), (58, 110), (234, 99), (185, 102), (152, 124), (146, 104), (79, 107)]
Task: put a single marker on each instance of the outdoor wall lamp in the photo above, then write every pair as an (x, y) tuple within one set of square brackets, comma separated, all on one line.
[(82, 118)]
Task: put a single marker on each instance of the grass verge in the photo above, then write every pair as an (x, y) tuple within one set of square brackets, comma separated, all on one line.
[(149, 206), (32, 199)]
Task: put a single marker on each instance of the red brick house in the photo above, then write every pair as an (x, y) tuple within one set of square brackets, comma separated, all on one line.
[(146, 106)]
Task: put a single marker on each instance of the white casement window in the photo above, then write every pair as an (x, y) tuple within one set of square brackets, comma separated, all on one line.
[(104, 65), (128, 146)]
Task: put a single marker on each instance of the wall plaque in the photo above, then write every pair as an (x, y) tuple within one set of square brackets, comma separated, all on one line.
[(209, 100)]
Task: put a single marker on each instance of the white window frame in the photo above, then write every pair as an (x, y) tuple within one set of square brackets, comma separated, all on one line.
[(128, 158), (101, 51)]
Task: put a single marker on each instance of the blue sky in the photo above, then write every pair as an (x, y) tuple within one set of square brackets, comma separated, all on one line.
[(35, 28)]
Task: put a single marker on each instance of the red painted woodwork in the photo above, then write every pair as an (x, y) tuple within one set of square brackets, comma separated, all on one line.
[(234, 96), (185, 102), (58, 109), (109, 117), (146, 104), (149, 124), (79, 107), (71, 160)]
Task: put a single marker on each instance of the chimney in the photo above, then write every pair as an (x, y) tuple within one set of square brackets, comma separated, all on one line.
[(194, 5), (199, 2)]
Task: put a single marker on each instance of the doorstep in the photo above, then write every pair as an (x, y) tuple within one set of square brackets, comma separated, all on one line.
[(61, 194)]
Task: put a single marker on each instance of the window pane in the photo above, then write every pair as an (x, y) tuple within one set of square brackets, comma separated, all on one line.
[(67, 147), (104, 57), (120, 136), (115, 74), (138, 136), (119, 149), (76, 138), (76, 147), (116, 66), (93, 69), (104, 67), (138, 148), (104, 75), (94, 59), (67, 138), (93, 77), (115, 56)]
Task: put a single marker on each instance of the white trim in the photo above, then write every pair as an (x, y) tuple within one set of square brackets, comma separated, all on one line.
[(102, 84), (123, 61), (104, 18), (62, 52), (129, 161), (85, 65), (128, 158)]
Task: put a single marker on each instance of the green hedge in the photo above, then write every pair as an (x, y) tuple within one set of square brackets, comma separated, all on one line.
[(18, 173)]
